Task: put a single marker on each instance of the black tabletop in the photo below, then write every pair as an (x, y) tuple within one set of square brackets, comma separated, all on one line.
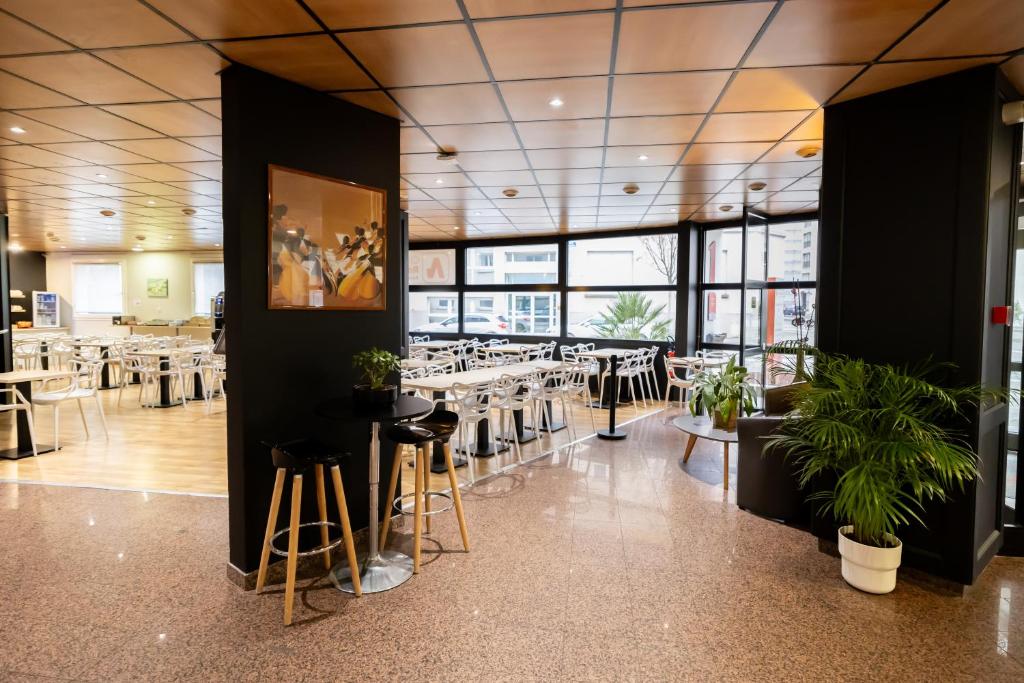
[(404, 408)]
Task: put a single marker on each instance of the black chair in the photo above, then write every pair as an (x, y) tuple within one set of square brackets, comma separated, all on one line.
[(437, 427), (296, 458), (766, 481)]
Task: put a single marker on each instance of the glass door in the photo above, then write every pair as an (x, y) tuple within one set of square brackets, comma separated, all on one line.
[(755, 278)]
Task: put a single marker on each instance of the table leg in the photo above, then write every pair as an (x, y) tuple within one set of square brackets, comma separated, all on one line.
[(164, 400), (44, 360), (725, 476), (484, 447), (378, 571), (437, 463), (24, 447), (197, 386), (689, 447), (104, 373)]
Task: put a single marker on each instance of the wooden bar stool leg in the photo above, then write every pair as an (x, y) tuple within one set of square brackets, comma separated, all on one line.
[(396, 467), (346, 529), (417, 523), (275, 506), (293, 548), (321, 505), (426, 486), (456, 496)]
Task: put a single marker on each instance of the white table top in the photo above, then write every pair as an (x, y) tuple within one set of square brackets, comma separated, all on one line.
[(413, 363), (478, 375), (607, 353), (168, 352), (31, 375), (704, 428), (436, 344), (512, 348)]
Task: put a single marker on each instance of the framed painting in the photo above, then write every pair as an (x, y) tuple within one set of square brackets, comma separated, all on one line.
[(327, 243), (156, 288)]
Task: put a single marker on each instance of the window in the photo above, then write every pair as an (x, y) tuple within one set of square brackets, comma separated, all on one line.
[(533, 264), (640, 315), (723, 255), (793, 252), (807, 240), (528, 313), (624, 261), (434, 312), (98, 289), (432, 267), (207, 282)]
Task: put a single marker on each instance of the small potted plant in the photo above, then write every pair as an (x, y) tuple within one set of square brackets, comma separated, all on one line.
[(722, 394), (883, 434), (376, 365)]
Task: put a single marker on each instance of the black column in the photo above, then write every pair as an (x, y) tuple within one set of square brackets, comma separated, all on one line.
[(5, 298), (283, 363), (917, 195)]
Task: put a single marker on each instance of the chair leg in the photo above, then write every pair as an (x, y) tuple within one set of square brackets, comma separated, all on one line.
[(396, 467), (31, 430), (346, 529), (293, 548), (81, 411), (103, 417), (275, 506), (456, 496), (56, 426), (426, 487), (593, 422), (417, 520), (321, 506)]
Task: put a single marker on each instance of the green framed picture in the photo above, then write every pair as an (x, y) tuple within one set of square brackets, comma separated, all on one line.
[(156, 288)]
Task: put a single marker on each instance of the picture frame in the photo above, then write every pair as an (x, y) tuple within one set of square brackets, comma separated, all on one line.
[(327, 243), (157, 288)]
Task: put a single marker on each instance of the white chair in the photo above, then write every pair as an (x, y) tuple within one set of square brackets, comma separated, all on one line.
[(673, 379), (447, 361), (629, 369), (511, 394), (83, 382), (19, 403), (26, 355), (186, 366), (650, 374), (577, 386), (472, 403), (549, 387)]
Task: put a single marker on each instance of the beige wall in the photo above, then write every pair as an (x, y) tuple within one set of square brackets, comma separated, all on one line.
[(136, 268)]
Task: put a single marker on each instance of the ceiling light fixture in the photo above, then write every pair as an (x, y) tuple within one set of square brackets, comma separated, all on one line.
[(14, 246), (217, 244), (189, 212), (447, 157), (439, 181), (556, 102), (808, 151), (631, 188), (101, 176), (17, 130), (726, 207), (292, 232), (510, 192), (643, 157), (758, 186), (106, 212), (137, 248), (151, 202)]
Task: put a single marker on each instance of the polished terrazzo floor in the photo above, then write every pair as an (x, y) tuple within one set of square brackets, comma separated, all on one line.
[(603, 561)]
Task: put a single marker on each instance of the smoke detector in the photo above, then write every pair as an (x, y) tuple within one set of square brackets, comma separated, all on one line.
[(141, 238), (726, 207), (631, 188), (808, 151), (189, 212), (510, 192), (106, 212), (758, 186), (447, 157)]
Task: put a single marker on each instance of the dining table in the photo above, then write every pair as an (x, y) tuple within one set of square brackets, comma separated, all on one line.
[(436, 345), (416, 363), (22, 381), (483, 447), (164, 399), (603, 356)]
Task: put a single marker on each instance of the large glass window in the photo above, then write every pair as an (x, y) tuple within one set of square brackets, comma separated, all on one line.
[(723, 255), (528, 313), (624, 261), (432, 267), (434, 312), (207, 282), (98, 289), (639, 315), (533, 264), (793, 251), (722, 316)]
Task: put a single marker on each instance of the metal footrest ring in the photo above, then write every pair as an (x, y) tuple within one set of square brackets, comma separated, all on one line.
[(315, 551), (400, 507)]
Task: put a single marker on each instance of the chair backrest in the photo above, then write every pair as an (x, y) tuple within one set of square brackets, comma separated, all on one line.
[(472, 400), (569, 354)]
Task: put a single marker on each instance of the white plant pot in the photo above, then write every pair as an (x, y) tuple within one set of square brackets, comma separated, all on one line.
[(868, 568)]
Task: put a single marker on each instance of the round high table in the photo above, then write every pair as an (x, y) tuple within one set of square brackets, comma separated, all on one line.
[(379, 570), (702, 427)]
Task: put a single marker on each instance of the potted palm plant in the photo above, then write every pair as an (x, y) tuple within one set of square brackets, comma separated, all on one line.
[(376, 365), (723, 393), (887, 438)]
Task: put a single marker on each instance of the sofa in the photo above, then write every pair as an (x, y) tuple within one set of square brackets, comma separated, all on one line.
[(766, 482)]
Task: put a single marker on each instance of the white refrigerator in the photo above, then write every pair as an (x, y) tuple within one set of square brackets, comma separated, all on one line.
[(45, 309)]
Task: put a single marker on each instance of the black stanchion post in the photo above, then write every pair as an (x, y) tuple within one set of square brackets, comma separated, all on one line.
[(610, 433)]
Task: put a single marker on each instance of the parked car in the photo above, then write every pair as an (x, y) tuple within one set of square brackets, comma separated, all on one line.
[(585, 328), (482, 323), (792, 309)]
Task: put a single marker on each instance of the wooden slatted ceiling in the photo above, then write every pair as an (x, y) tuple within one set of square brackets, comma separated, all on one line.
[(691, 101)]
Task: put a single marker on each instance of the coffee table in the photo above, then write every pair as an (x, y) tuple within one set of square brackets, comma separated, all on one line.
[(703, 428)]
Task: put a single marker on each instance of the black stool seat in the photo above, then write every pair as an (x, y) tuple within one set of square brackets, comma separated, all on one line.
[(300, 454), (438, 426)]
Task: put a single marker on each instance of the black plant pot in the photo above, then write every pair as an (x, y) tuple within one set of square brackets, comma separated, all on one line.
[(363, 395)]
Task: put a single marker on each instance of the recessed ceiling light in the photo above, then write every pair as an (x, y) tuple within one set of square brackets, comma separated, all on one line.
[(757, 186), (137, 248), (808, 151), (510, 192), (439, 181), (106, 212), (14, 246), (556, 102), (63, 247), (631, 188), (726, 207), (643, 157), (17, 130), (151, 202), (217, 244), (292, 232), (101, 175), (189, 212), (168, 237)]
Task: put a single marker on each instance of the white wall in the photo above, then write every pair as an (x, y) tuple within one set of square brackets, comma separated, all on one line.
[(136, 268)]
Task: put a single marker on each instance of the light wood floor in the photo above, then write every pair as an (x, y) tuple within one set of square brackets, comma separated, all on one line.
[(185, 451)]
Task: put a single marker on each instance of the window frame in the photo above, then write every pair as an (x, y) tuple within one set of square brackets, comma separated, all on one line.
[(122, 266), (192, 267)]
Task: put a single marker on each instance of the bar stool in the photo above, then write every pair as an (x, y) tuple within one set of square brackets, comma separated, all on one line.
[(438, 427), (296, 458)]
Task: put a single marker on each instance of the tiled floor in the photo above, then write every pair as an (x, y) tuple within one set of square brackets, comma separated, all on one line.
[(604, 561)]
